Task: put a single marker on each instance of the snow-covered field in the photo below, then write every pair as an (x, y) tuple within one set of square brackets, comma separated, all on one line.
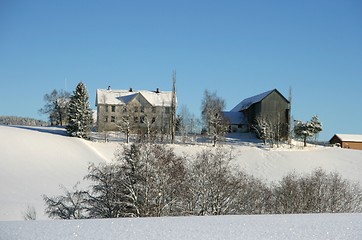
[(35, 161), (280, 227)]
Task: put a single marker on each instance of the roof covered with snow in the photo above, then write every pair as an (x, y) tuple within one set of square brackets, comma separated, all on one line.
[(235, 117), (350, 137), (246, 103), (123, 97)]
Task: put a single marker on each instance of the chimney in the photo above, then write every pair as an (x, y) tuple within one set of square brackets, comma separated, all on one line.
[(130, 89), (157, 90)]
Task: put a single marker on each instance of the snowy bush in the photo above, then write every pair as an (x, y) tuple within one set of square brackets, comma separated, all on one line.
[(149, 180), (318, 192)]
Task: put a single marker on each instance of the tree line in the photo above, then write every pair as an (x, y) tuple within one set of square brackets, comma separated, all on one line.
[(24, 121), (150, 180)]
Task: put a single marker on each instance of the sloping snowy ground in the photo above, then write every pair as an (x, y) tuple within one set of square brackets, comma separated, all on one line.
[(257, 227), (272, 164), (35, 161)]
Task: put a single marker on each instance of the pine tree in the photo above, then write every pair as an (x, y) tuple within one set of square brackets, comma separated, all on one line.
[(79, 113), (307, 129)]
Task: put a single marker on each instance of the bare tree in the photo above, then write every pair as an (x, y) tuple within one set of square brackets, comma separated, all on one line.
[(269, 129), (56, 106), (103, 198), (30, 213), (67, 206), (151, 129), (212, 184), (317, 192), (125, 123), (212, 107), (173, 109)]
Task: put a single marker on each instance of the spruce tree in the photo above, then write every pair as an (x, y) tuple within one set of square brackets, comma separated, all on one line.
[(79, 113)]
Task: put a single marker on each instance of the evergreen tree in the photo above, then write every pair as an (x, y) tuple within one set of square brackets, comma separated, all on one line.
[(307, 129), (79, 113)]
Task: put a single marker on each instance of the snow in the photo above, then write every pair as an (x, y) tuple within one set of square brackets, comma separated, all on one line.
[(246, 103), (36, 160), (257, 227), (273, 164), (122, 97), (160, 99), (113, 97)]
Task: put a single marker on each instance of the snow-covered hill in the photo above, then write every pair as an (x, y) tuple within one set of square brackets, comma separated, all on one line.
[(35, 161)]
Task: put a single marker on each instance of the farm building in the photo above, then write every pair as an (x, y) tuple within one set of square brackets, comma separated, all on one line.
[(271, 106), (136, 110), (352, 141)]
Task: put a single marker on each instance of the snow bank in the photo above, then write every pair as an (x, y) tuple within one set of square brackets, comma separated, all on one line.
[(258, 227)]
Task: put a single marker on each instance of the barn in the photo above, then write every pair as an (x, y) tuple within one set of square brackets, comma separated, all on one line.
[(271, 105), (352, 141)]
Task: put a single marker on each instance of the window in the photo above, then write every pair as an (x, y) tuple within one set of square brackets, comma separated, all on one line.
[(135, 119), (167, 109), (135, 109), (153, 119), (105, 119), (113, 108), (106, 107), (113, 118), (142, 119), (142, 109), (124, 109), (154, 109)]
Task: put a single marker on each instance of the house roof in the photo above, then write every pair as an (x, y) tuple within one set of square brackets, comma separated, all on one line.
[(123, 97), (349, 137), (235, 118), (246, 103)]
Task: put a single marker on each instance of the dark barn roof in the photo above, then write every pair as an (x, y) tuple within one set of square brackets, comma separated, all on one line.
[(246, 103)]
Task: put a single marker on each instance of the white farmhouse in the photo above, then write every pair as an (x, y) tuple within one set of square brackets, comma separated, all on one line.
[(136, 110)]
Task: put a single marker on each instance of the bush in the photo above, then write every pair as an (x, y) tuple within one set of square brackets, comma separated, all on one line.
[(150, 180)]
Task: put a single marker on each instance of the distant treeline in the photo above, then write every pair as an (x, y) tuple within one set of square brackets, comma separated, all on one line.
[(12, 120)]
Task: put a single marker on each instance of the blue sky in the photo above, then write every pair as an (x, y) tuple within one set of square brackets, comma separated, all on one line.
[(237, 48)]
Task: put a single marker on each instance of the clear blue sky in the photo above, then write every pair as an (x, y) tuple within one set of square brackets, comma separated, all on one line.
[(237, 48)]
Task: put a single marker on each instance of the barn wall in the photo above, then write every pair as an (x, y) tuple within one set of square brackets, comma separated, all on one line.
[(275, 108), (352, 145)]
